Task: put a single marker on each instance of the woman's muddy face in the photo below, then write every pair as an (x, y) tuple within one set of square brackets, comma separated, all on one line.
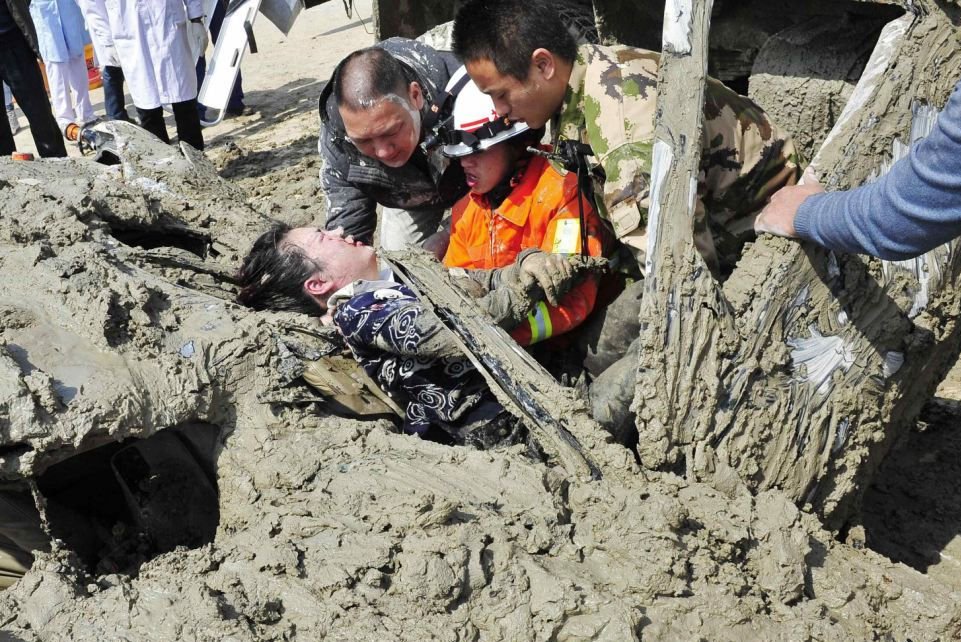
[(484, 170)]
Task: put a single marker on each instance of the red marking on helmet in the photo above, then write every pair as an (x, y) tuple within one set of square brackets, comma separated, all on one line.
[(474, 124)]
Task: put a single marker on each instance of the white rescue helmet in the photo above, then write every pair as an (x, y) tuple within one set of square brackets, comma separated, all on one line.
[(475, 125)]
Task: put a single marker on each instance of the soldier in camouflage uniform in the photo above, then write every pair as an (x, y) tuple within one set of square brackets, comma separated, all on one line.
[(518, 52)]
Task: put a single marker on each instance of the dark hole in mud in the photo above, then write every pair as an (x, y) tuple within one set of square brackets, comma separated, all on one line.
[(912, 511), (122, 504), (15, 450), (149, 239)]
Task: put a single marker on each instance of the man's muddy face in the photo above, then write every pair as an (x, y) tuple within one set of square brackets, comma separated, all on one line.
[(389, 131), (528, 100), (484, 170), (344, 260)]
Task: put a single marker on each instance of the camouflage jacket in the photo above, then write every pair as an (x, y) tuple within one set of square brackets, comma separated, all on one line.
[(610, 104), (355, 184)]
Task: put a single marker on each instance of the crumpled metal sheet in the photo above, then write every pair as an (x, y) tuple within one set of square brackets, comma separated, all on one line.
[(283, 13)]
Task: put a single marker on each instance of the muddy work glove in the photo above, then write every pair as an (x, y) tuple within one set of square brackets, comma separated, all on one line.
[(553, 273), (534, 277)]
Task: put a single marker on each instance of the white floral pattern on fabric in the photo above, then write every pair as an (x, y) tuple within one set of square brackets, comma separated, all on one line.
[(382, 328)]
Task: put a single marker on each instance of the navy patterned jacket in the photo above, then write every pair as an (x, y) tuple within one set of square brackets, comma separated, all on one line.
[(389, 331)]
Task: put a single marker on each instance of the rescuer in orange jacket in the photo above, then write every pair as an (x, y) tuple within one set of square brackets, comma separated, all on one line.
[(521, 210)]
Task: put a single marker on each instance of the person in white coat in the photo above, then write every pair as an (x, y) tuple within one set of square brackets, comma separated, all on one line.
[(62, 39), (153, 39), (98, 25)]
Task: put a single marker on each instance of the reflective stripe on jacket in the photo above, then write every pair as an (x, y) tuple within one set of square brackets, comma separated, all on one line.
[(541, 211)]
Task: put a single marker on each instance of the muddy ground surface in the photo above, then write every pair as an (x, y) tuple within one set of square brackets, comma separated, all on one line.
[(912, 512), (334, 528)]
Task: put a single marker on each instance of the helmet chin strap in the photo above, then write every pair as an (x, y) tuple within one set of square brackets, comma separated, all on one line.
[(511, 179), (441, 114)]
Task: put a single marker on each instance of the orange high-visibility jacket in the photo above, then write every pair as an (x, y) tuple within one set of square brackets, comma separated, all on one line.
[(541, 211)]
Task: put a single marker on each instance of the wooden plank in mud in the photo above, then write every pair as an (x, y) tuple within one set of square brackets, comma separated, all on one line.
[(521, 384)]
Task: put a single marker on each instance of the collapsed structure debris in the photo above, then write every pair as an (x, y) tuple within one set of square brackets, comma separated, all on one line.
[(816, 429), (765, 404)]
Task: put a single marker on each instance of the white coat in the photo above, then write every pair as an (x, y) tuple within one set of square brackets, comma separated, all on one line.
[(95, 14), (60, 32), (151, 40)]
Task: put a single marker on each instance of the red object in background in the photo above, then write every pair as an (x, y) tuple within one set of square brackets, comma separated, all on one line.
[(93, 73), (94, 80)]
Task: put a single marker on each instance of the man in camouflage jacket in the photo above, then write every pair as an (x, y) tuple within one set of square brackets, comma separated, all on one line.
[(519, 53)]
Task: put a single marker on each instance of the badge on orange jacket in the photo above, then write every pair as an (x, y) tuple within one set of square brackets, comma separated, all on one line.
[(567, 235)]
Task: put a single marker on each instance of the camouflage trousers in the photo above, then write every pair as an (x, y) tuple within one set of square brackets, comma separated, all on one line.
[(610, 344)]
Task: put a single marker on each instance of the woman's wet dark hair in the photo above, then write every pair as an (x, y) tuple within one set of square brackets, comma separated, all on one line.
[(273, 274)]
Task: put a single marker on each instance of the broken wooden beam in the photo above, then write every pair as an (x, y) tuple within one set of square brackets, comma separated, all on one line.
[(785, 377), (553, 413), (684, 319)]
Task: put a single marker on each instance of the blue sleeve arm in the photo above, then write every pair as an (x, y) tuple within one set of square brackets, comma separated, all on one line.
[(910, 210)]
